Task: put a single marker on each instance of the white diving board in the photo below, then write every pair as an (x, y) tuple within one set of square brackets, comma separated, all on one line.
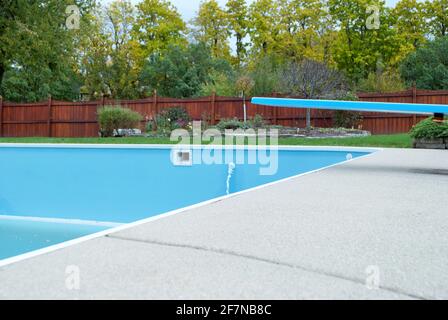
[(413, 108)]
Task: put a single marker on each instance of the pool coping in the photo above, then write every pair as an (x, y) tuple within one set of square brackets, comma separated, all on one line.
[(193, 146), (66, 244)]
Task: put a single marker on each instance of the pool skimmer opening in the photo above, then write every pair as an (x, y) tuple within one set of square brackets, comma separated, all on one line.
[(181, 157)]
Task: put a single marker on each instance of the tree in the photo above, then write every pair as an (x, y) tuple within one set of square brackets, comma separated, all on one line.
[(364, 38), (123, 65), (263, 25), (244, 84), (221, 82), (94, 50), (9, 9), (437, 13), (158, 26), (37, 49), (212, 28), (428, 66), (300, 23), (118, 41), (238, 23), (264, 71), (411, 24), (313, 80), (181, 72)]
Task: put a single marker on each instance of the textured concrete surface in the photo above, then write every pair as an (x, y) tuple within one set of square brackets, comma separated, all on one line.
[(315, 236)]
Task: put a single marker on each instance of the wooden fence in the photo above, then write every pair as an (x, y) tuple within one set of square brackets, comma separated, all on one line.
[(79, 119)]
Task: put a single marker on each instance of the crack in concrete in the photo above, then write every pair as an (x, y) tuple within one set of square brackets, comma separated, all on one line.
[(266, 260)]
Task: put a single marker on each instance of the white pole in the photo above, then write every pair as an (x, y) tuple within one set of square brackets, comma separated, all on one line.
[(244, 108)]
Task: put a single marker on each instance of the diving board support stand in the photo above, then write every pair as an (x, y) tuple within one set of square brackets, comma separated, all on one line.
[(438, 117)]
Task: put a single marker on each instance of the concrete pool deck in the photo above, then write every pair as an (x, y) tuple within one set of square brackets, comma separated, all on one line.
[(318, 236)]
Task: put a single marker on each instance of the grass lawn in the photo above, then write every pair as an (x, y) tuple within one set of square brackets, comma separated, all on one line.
[(385, 141)]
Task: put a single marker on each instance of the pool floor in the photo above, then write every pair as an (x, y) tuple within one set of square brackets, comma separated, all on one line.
[(18, 236)]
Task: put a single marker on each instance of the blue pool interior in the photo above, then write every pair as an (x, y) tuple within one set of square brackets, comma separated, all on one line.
[(17, 236), (119, 185)]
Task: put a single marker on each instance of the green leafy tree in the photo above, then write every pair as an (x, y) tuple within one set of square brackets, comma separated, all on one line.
[(158, 26), (428, 66), (212, 28), (263, 25), (181, 72), (119, 39), (265, 74), (94, 50), (37, 50), (300, 23), (237, 14), (221, 82), (9, 11), (123, 64), (437, 13), (411, 24), (364, 40)]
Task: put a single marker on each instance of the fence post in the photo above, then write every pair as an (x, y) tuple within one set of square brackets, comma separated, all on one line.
[(49, 116), (275, 115), (213, 108), (1, 116), (414, 100)]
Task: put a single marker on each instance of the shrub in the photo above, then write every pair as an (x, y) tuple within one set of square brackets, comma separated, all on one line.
[(150, 126), (257, 122), (428, 129), (113, 118), (230, 124), (176, 114), (347, 119), (170, 119), (388, 81)]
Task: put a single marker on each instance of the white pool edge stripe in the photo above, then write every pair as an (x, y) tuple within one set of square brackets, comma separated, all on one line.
[(190, 146), (62, 221), (100, 234)]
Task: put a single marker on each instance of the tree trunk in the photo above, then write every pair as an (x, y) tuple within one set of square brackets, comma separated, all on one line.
[(239, 48), (308, 118)]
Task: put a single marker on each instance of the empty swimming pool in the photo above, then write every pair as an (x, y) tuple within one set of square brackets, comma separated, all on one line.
[(51, 194)]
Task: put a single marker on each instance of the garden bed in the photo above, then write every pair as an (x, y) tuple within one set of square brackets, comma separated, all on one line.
[(289, 132), (431, 143), (322, 133), (430, 134)]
